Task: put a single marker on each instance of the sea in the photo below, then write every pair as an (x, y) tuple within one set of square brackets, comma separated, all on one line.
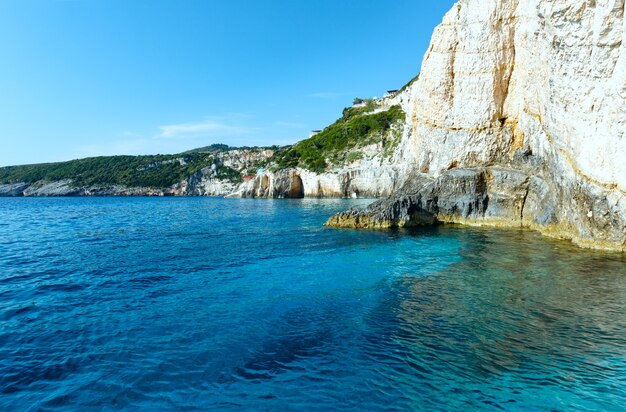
[(154, 304)]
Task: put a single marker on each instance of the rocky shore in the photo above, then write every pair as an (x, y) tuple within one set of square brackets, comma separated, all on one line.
[(517, 119)]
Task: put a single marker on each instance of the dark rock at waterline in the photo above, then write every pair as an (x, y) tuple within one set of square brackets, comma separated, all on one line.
[(497, 196)]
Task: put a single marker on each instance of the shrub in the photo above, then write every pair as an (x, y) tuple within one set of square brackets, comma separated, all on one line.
[(354, 156), (147, 171), (354, 129)]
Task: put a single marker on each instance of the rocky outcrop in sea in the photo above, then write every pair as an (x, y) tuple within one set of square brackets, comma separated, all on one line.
[(517, 119)]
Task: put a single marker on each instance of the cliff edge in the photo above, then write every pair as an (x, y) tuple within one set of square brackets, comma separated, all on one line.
[(517, 119)]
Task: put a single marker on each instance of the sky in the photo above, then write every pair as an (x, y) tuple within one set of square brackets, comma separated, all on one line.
[(82, 78)]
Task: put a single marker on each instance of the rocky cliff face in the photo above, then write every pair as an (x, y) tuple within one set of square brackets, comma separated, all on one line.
[(358, 151), (372, 176), (517, 119), (365, 180), (207, 181)]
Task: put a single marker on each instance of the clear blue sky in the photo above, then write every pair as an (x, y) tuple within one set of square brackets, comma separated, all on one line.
[(97, 77)]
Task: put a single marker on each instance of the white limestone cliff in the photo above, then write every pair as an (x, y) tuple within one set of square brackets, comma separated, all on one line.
[(551, 68), (536, 87), (371, 176)]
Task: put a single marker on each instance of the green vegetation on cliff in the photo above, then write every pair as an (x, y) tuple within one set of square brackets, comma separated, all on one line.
[(409, 83), (336, 145), (356, 128), (133, 171)]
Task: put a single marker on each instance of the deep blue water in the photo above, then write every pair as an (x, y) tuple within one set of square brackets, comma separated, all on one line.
[(199, 303)]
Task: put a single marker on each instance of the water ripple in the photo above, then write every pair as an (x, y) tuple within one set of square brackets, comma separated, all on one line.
[(246, 304)]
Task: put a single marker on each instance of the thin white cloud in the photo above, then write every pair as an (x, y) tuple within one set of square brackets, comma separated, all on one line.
[(205, 128), (231, 129)]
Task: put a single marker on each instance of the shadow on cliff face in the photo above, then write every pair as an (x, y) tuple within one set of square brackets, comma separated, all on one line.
[(296, 190), (265, 183)]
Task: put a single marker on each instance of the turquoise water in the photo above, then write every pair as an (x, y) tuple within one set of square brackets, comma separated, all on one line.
[(199, 303)]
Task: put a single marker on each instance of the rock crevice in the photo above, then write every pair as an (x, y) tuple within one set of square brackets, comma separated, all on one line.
[(517, 119)]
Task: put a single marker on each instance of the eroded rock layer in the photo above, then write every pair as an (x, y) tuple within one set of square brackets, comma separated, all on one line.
[(517, 118)]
